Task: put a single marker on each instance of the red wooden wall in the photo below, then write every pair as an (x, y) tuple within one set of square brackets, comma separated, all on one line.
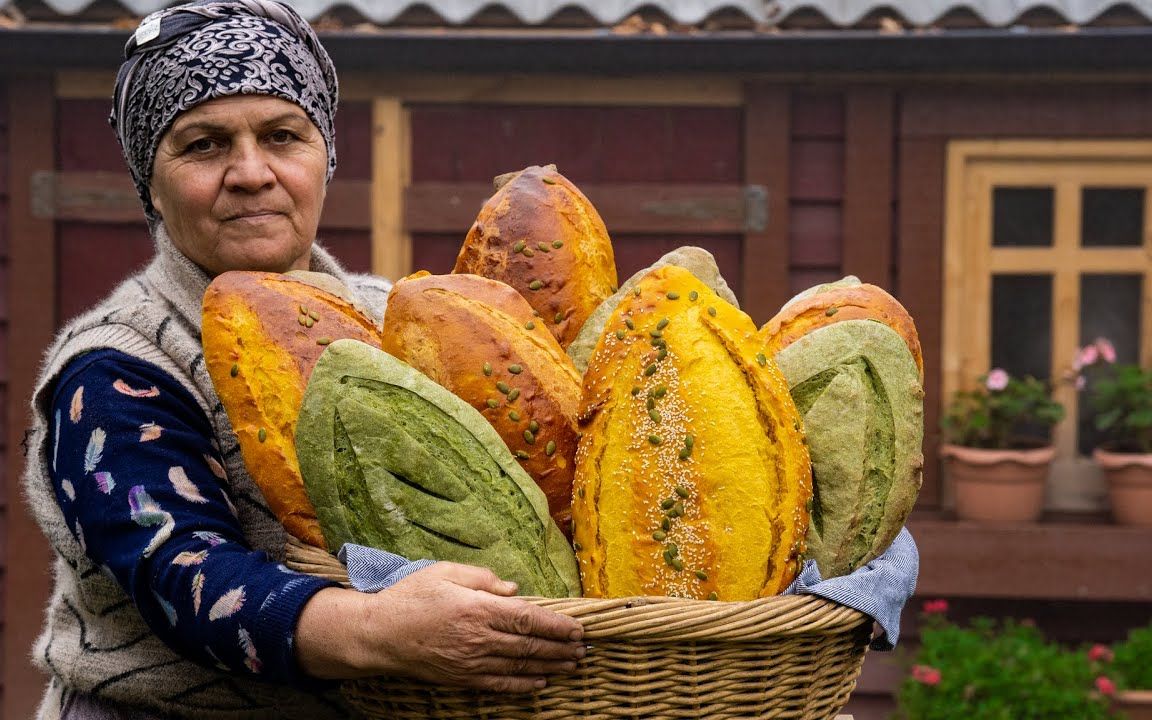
[(457, 143), (3, 358)]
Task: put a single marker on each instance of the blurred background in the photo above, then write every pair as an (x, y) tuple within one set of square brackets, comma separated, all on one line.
[(989, 163)]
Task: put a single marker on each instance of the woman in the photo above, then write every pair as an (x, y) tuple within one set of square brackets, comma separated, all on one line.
[(169, 600)]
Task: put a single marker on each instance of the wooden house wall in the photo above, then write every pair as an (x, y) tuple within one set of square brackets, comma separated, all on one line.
[(660, 145), (855, 181), (4, 387)]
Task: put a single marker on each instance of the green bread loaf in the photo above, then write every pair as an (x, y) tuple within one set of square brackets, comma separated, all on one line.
[(394, 461), (858, 389), (697, 261)]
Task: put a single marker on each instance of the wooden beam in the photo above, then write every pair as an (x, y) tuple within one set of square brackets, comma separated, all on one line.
[(767, 150), (721, 91), (32, 302), (715, 91), (391, 173), (868, 162), (1052, 561), (681, 208), (107, 197)]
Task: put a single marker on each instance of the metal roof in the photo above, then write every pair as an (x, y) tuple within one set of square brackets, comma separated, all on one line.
[(842, 14)]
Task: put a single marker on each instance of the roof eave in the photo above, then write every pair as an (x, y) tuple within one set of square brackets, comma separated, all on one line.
[(1086, 50)]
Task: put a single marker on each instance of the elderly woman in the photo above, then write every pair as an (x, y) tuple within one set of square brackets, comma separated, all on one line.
[(169, 599)]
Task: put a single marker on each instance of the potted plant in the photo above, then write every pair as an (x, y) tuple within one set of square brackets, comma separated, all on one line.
[(997, 448), (997, 670), (1121, 395)]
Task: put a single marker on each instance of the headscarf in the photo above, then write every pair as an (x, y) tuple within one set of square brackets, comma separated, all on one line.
[(188, 54)]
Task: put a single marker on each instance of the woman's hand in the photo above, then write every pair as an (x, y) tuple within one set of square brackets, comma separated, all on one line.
[(448, 623)]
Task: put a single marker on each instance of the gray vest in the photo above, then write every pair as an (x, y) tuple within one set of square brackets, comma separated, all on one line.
[(94, 640)]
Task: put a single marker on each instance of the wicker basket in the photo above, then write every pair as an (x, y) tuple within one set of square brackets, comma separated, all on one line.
[(650, 658)]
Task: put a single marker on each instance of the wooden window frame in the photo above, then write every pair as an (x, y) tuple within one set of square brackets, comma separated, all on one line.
[(973, 169)]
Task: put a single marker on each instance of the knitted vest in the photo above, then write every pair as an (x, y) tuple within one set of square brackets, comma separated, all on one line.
[(95, 641)]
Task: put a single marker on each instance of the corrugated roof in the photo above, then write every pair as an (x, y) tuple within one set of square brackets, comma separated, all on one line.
[(838, 13)]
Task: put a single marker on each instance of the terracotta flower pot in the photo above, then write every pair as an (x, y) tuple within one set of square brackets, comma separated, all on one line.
[(1134, 704), (1129, 478), (998, 486)]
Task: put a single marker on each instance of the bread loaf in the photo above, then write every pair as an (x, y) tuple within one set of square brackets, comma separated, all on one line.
[(692, 477), (394, 461), (262, 334), (539, 234), (479, 338), (845, 299), (858, 388), (696, 260)]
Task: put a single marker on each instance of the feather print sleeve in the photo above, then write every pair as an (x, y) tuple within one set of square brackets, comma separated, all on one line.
[(138, 481)]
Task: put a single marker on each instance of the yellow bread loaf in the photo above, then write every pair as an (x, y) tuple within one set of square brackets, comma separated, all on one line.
[(539, 234), (262, 335), (479, 339), (692, 477)]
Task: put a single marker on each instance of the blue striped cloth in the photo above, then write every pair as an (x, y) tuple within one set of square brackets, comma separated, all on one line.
[(372, 570), (879, 589)]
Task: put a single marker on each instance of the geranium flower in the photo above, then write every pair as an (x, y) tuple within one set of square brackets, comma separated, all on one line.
[(1105, 686), (1106, 350), (931, 676), (1100, 653), (1089, 354), (935, 607), (997, 379)]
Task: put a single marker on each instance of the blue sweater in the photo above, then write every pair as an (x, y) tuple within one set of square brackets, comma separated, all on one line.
[(137, 476)]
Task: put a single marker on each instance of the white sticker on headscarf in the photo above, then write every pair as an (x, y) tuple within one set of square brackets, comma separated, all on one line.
[(147, 31)]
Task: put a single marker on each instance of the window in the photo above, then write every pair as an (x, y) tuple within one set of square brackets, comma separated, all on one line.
[(1048, 245)]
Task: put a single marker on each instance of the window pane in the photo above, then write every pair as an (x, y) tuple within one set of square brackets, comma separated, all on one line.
[(1112, 216), (1021, 324), (1022, 216), (1109, 308)]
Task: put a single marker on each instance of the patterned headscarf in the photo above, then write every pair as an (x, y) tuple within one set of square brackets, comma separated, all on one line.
[(188, 54)]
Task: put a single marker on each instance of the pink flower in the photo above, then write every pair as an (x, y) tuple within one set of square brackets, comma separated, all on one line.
[(1105, 686), (1107, 352), (1081, 381), (1089, 354), (935, 607), (997, 379), (1098, 653), (931, 676)]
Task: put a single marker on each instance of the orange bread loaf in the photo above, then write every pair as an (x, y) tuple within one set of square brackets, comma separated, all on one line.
[(479, 339), (845, 299), (540, 235), (692, 477), (262, 334)]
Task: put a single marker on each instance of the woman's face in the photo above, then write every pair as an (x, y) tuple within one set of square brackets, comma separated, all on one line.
[(239, 182)]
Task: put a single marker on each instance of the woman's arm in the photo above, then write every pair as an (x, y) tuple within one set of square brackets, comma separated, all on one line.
[(140, 485), (448, 623)]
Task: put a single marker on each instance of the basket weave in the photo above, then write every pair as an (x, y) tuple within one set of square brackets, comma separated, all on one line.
[(650, 658)]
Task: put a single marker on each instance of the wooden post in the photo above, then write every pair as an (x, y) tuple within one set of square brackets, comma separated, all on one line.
[(391, 173), (920, 256), (32, 303), (765, 255)]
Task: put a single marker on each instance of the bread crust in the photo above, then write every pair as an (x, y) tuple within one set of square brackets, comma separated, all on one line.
[(479, 339), (838, 303), (539, 234), (692, 478), (262, 335)]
